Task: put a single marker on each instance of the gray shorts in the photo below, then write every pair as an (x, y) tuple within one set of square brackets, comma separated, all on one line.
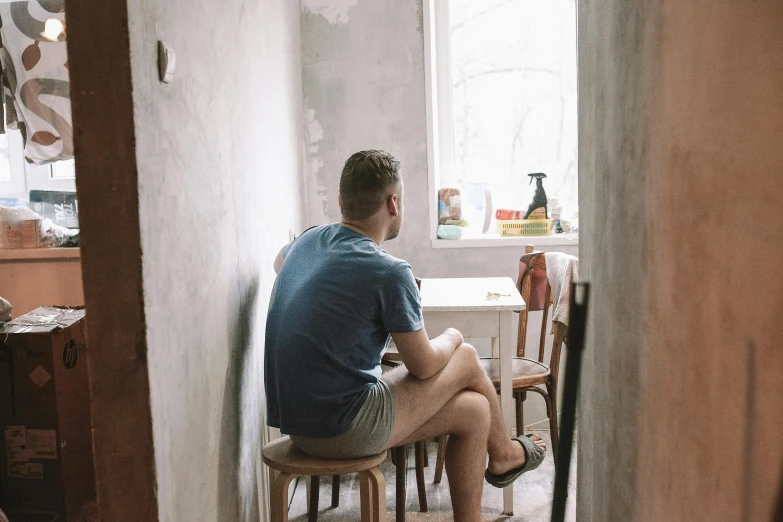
[(368, 434)]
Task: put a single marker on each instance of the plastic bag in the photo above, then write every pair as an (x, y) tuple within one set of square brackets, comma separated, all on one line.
[(449, 206), (5, 312), (17, 214), (56, 236)]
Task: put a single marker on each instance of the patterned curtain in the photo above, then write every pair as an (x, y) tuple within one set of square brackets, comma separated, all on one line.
[(35, 80)]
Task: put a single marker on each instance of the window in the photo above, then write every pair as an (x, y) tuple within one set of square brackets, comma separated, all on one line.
[(5, 158), (12, 169), (63, 170), (18, 178), (502, 102)]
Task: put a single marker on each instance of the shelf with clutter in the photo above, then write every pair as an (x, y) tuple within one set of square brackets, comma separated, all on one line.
[(543, 217)]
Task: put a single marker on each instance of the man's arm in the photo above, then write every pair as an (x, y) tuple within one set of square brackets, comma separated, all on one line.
[(424, 357), (281, 255)]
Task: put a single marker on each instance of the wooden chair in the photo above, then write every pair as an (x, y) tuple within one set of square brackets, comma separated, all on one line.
[(529, 374), (287, 462)]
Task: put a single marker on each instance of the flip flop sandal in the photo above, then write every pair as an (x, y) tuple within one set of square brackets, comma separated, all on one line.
[(534, 456)]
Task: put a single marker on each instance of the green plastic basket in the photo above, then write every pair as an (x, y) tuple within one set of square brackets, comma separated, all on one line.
[(524, 227)]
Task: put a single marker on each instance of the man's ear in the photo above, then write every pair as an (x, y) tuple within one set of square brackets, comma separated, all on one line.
[(393, 204)]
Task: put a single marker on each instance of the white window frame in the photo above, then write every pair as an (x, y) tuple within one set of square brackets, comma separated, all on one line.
[(16, 186), (26, 177), (440, 131)]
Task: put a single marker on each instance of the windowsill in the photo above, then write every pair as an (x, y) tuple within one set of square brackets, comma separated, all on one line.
[(39, 253), (489, 241)]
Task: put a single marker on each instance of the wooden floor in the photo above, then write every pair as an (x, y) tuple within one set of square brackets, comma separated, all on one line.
[(532, 496)]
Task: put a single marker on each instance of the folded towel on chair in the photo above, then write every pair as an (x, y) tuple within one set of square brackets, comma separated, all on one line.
[(561, 270)]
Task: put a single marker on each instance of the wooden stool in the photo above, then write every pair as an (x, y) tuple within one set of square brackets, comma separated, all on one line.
[(289, 463)]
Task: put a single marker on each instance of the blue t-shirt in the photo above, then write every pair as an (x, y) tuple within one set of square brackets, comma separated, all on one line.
[(336, 300)]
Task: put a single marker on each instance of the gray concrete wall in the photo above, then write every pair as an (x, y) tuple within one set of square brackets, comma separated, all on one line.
[(220, 185), (363, 83), (680, 122), (181, 227), (614, 51)]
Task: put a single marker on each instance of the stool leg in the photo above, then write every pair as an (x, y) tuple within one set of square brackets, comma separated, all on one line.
[(372, 487), (312, 505), (426, 454), (335, 491), (420, 452), (441, 461), (278, 496), (365, 495), (402, 471)]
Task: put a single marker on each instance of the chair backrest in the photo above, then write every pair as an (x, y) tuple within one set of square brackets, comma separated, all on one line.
[(533, 269)]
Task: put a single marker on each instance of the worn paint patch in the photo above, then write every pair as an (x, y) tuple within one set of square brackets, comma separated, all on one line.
[(335, 11), (314, 133)]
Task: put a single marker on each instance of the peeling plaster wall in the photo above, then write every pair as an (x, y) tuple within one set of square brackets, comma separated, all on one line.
[(363, 83), (681, 191), (220, 157)]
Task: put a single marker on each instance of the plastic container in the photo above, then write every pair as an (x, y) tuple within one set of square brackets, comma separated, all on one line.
[(555, 210), (507, 214), (525, 227)]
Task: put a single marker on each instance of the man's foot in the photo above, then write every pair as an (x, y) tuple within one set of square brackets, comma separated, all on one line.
[(514, 457), (535, 453)]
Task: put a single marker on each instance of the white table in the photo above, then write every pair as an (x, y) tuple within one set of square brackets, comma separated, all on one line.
[(463, 304)]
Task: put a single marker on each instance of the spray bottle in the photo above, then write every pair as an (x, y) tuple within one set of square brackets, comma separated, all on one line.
[(537, 208)]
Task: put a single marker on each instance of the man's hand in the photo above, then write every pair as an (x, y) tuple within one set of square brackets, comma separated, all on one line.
[(279, 260), (456, 335), (424, 357)]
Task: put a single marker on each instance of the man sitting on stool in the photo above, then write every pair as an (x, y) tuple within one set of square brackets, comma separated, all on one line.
[(337, 298)]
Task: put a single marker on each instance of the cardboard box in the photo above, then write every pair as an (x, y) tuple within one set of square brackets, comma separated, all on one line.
[(46, 461)]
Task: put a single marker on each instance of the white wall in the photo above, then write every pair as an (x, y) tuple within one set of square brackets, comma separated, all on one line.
[(363, 83), (219, 182)]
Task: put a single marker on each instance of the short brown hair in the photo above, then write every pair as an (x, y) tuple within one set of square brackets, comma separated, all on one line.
[(368, 178)]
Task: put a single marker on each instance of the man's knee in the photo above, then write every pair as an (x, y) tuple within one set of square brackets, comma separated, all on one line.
[(466, 351), (469, 358), (474, 410)]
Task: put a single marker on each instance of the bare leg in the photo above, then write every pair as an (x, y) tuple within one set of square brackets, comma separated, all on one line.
[(417, 401), (467, 449)]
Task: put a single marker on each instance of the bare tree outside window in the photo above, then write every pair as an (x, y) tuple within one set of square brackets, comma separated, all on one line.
[(513, 70)]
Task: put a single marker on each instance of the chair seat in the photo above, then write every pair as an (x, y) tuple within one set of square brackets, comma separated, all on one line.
[(524, 372), (281, 455)]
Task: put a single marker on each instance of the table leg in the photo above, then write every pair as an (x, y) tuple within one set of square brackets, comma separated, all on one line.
[(506, 395)]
